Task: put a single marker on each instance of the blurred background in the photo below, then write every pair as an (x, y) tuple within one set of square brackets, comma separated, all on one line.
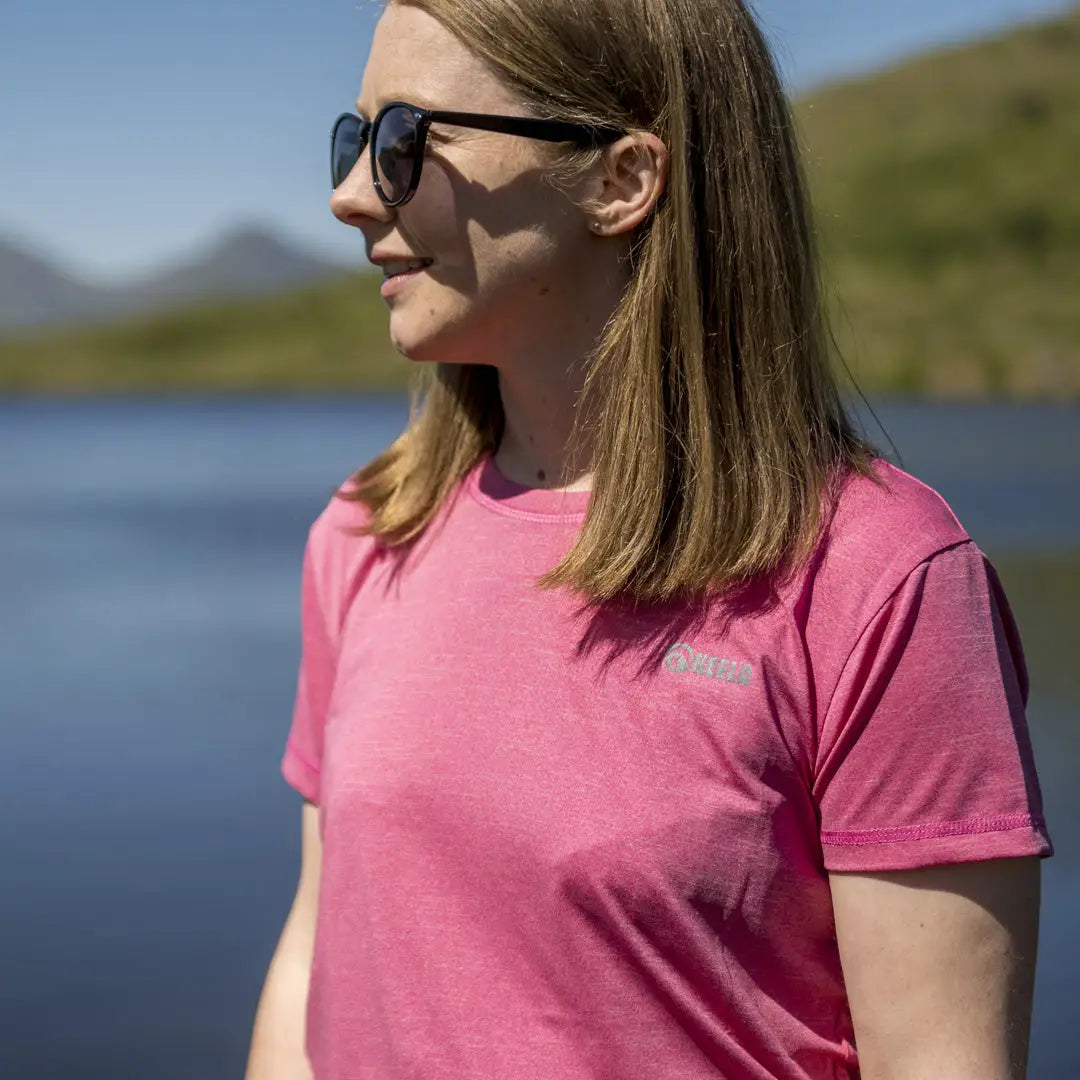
[(193, 355)]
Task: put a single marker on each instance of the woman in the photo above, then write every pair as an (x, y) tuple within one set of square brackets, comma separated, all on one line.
[(649, 723)]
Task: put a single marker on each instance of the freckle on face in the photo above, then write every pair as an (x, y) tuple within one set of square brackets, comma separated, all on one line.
[(545, 290)]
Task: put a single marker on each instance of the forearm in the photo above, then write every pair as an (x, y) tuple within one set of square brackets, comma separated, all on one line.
[(277, 1042)]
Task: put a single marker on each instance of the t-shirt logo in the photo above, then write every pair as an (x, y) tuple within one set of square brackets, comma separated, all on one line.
[(681, 658)]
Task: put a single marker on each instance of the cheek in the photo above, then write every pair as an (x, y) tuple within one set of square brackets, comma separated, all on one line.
[(504, 253), (429, 223), (481, 224)]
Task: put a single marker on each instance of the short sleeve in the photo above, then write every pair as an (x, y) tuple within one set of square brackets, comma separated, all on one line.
[(302, 761), (924, 753)]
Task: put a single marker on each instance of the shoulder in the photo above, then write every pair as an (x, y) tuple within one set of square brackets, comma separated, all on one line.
[(896, 519), (879, 530), (341, 516), (338, 556)]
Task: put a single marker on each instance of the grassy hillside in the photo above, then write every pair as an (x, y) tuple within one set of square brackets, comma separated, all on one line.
[(949, 211), (949, 208), (326, 336)]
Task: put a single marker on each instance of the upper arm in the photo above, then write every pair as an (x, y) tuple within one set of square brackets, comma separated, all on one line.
[(300, 925), (939, 965)]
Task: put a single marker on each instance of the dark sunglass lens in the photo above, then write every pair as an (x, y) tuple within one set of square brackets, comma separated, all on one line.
[(345, 148), (395, 151)]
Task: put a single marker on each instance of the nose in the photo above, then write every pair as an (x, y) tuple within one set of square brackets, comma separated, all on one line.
[(355, 201)]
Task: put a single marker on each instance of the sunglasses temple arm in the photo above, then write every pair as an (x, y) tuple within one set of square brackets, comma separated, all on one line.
[(545, 130)]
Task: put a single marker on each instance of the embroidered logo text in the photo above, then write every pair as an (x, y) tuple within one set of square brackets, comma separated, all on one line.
[(682, 657)]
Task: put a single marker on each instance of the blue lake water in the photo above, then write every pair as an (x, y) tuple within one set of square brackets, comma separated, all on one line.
[(149, 565)]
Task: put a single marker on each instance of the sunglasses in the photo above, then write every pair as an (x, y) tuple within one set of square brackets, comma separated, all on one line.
[(398, 135)]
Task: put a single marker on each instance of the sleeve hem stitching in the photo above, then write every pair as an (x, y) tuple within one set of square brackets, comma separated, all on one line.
[(939, 829)]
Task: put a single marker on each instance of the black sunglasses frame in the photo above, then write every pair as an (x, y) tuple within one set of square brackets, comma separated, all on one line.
[(527, 126)]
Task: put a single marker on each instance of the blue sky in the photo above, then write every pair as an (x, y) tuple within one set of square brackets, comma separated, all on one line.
[(133, 132)]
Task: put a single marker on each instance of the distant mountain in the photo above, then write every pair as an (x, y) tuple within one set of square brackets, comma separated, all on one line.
[(33, 292), (244, 261), (247, 261)]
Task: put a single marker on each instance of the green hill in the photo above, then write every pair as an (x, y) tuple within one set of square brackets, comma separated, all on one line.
[(325, 336), (949, 210), (949, 207)]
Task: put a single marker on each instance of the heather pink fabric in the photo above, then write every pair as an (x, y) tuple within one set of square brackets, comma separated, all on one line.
[(569, 845)]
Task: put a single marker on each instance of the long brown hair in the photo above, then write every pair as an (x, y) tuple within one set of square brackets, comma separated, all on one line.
[(719, 435)]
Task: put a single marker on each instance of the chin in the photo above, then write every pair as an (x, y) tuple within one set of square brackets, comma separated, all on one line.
[(409, 343), (434, 342)]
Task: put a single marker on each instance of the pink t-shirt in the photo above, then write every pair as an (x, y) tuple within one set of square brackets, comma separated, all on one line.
[(568, 845)]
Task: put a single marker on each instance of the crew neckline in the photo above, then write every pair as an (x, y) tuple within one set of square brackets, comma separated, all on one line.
[(492, 489)]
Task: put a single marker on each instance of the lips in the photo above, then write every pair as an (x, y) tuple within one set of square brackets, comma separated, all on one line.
[(399, 277), (411, 266)]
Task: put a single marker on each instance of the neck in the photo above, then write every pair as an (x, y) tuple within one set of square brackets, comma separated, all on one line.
[(534, 448), (540, 391)]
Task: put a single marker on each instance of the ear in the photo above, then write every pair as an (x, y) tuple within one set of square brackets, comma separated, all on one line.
[(633, 176)]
